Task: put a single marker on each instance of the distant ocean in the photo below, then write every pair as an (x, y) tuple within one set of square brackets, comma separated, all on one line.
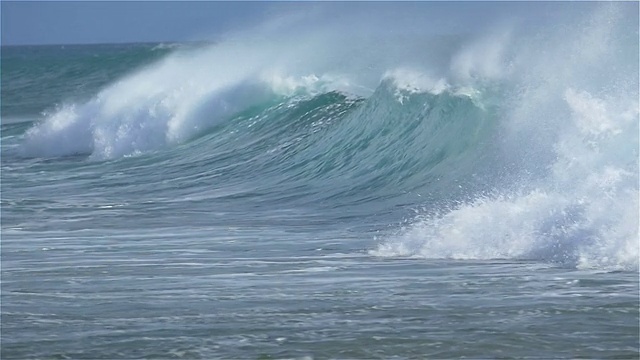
[(320, 196)]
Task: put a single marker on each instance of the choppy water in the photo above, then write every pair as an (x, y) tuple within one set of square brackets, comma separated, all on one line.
[(323, 195)]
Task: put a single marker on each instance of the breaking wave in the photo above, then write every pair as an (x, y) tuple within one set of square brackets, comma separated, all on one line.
[(509, 145)]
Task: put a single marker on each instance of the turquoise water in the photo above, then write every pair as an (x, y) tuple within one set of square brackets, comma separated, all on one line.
[(435, 197)]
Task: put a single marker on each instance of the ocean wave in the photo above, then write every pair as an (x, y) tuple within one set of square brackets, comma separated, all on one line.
[(519, 146)]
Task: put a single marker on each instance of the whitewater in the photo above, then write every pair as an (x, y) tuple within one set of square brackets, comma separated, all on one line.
[(323, 189)]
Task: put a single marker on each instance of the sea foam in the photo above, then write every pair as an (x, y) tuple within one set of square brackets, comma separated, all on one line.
[(577, 131)]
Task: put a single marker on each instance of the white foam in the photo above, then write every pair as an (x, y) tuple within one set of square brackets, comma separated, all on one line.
[(193, 89), (576, 131), (170, 102), (415, 81)]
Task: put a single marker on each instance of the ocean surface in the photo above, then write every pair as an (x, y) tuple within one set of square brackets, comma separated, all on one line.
[(325, 194)]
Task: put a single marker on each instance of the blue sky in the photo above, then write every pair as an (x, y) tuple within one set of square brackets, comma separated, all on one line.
[(30, 22), (107, 22)]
